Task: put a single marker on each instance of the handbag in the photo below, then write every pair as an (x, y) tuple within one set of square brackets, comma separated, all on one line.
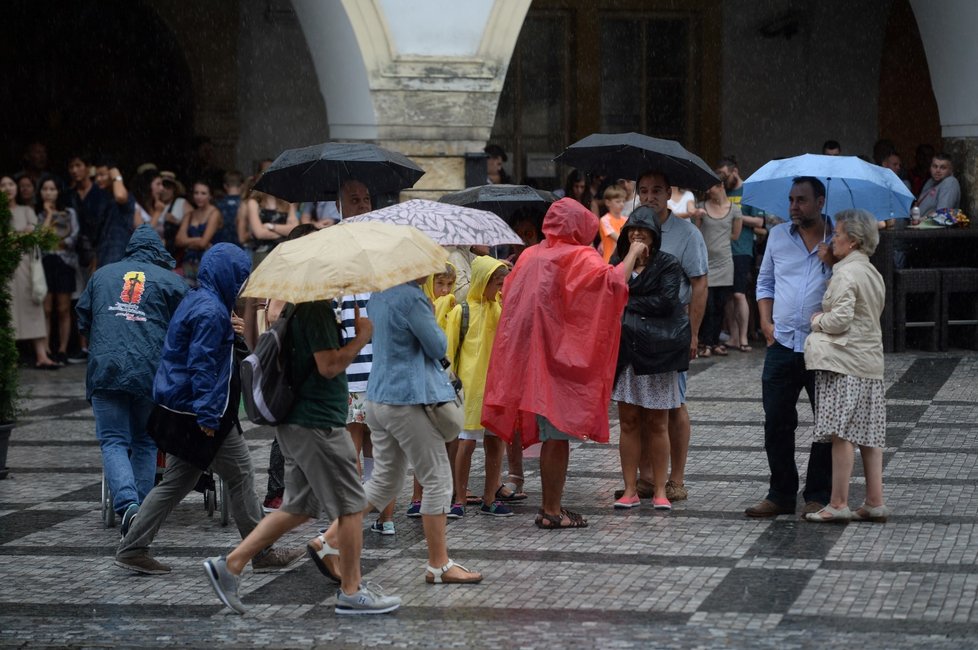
[(448, 417), (39, 286)]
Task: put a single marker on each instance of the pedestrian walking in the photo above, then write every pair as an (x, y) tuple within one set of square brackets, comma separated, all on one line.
[(124, 311), (406, 375), (197, 393), (320, 466)]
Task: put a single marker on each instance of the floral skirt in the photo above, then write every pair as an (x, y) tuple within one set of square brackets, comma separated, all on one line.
[(850, 407), (658, 392)]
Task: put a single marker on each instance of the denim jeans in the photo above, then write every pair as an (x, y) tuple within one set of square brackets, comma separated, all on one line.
[(128, 453), (783, 378)]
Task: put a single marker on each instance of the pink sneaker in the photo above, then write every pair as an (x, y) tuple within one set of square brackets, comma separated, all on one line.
[(625, 503), (661, 504)]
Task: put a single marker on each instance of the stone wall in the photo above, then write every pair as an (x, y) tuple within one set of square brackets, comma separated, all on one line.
[(814, 76), (279, 103)]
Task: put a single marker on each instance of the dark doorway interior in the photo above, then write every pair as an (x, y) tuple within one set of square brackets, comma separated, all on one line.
[(106, 77)]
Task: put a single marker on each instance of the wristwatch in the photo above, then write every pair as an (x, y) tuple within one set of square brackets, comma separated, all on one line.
[(270, 225), (117, 179)]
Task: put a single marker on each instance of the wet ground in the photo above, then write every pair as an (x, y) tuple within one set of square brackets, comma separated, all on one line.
[(700, 576)]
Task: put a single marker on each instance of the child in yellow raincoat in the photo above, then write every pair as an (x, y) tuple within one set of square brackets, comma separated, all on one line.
[(471, 328), (439, 288)]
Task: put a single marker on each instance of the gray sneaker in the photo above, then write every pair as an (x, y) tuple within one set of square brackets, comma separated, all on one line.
[(224, 582), (275, 559), (369, 600), (142, 563)]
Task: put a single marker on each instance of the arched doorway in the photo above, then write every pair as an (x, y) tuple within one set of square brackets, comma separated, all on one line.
[(107, 78), (908, 112)]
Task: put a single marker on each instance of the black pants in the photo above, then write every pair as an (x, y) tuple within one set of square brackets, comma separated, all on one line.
[(716, 300), (782, 381)]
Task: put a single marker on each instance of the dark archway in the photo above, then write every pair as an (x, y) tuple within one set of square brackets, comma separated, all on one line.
[(908, 113), (107, 77)]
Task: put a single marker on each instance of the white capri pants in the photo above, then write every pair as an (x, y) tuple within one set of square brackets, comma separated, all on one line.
[(402, 435)]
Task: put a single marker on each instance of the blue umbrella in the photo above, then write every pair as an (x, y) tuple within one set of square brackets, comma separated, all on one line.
[(849, 183)]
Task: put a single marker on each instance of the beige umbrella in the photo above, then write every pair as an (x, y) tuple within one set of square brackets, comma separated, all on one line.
[(343, 260)]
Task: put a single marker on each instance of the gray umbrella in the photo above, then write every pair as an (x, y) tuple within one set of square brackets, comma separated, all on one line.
[(626, 155), (503, 200), (316, 173)]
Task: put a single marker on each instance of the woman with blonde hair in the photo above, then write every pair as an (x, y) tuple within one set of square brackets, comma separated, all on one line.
[(845, 349)]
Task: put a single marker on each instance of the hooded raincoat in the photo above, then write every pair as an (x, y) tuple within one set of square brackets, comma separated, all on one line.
[(655, 326), (195, 370), (125, 310), (470, 357), (443, 304), (557, 341)]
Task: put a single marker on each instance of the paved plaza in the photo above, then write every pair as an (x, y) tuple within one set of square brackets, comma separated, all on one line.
[(700, 576)]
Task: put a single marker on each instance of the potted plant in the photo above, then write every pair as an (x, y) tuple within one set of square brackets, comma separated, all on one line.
[(13, 245)]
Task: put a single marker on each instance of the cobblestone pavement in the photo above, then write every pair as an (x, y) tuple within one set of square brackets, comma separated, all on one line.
[(701, 576)]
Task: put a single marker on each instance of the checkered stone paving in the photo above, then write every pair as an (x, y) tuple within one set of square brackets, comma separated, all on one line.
[(701, 576)]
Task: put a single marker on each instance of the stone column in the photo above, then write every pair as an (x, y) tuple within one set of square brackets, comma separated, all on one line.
[(420, 77), (946, 29)]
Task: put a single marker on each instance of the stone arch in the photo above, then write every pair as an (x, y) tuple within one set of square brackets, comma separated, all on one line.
[(108, 78)]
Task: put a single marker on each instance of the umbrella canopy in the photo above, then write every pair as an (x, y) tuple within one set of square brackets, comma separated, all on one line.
[(849, 183), (316, 173), (343, 260), (448, 225), (503, 200), (626, 155)]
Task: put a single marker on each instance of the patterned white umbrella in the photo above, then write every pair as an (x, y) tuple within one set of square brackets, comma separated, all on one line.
[(448, 225)]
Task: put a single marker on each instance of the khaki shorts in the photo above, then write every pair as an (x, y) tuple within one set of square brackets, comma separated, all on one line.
[(320, 472), (549, 432)]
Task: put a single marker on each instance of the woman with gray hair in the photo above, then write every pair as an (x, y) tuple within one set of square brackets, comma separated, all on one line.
[(845, 349)]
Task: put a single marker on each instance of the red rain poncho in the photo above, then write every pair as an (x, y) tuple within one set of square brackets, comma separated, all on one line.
[(557, 341)]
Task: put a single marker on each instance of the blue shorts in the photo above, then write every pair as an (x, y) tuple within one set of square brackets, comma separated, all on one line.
[(682, 386), (549, 432)]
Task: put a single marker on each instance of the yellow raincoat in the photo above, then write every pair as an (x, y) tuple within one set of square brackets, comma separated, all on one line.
[(443, 304), (471, 362)]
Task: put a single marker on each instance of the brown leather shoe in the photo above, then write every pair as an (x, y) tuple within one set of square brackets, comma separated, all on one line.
[(811, 507), (676, 491), (646, 490), (768, 508)]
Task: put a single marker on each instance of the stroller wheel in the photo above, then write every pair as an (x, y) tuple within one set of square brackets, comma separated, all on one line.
[(225, 497), (210, 501), (108, 514)]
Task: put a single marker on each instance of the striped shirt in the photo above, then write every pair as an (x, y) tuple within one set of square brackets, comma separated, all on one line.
[(359, 371)]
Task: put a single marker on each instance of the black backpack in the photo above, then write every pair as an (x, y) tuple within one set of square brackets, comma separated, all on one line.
[(268, 394)]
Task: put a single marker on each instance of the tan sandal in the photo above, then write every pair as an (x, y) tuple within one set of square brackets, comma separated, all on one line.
[(435, 576)]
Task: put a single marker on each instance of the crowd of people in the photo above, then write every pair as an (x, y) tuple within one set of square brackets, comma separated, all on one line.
[(590, 310)]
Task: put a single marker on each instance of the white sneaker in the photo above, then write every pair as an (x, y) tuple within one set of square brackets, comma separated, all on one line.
[(366, 601)]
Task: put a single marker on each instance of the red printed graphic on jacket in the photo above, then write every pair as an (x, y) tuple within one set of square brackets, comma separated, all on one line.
[(133, 286)]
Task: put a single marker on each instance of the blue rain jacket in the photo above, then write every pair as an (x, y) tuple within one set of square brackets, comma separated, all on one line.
[(194, 375), (124, 311)]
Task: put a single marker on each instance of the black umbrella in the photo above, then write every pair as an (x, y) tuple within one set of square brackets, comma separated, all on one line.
[(626, 155), (503, 200), (316, 173)]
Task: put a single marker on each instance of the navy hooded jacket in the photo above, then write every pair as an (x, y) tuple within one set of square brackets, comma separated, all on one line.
[(194, 374), (125, 310)]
